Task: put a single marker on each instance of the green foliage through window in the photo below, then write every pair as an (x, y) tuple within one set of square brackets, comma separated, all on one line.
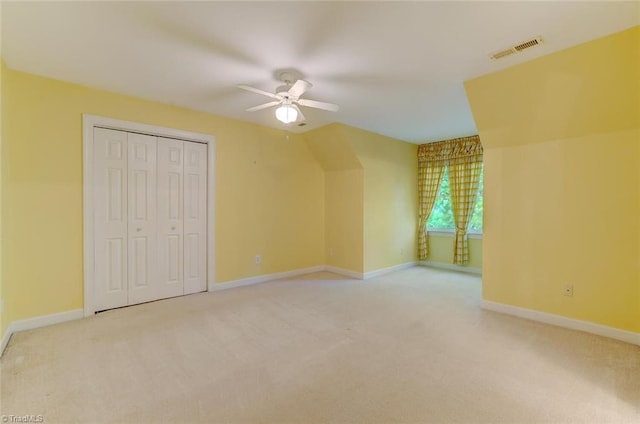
[(441, 217)]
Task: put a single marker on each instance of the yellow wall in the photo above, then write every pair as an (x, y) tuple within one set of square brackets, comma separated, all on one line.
[(562, 181), (371, 197), (344, 188), (268, 191), (390, 197), (441, 250), (331, 148), (344, 229)]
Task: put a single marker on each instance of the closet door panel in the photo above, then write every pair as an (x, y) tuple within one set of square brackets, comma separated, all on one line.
[(142, 258), (195, 217), (170, 217), (110, 218)]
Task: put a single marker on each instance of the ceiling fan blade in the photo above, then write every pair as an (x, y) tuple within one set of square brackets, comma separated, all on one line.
[(319, 105), (255, 90), (299, 88), (300, 114), (263, 106)]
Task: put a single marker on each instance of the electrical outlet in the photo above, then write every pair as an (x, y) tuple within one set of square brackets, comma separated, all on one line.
[(567, 289), (258, 259), (1, 306), (330, 250), (401, 252)]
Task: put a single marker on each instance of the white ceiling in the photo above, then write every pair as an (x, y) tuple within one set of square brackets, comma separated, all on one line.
[(395, 68)]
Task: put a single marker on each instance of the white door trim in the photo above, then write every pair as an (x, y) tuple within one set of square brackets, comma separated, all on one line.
[(91, 121)]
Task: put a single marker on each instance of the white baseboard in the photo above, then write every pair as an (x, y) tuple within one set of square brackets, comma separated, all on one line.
[(287, 274), (45, 320), (382, 271), (561, 321), (265, 277), (345, 272), (37, 322), (451, 267)]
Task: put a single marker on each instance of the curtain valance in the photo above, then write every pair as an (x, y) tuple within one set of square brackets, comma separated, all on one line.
[(456, 150)]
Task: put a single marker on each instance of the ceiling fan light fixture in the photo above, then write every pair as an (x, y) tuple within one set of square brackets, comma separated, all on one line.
[(287, 99), (286, 114)]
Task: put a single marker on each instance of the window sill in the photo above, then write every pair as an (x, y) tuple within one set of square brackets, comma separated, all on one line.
[(451, 233)]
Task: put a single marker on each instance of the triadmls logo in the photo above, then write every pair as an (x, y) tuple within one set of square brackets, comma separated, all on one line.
[(23, 418)]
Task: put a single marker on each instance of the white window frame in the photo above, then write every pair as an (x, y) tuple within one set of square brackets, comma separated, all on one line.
[(452, 232)]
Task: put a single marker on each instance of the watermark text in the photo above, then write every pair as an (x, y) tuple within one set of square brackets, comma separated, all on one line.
[(23, 418)]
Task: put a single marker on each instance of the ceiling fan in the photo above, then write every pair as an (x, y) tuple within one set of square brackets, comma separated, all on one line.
[(288, 97)]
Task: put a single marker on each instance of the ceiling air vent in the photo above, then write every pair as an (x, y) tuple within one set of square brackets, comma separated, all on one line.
[(517, 48)]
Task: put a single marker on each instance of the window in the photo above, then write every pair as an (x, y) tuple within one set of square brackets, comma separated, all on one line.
[(441, 217)]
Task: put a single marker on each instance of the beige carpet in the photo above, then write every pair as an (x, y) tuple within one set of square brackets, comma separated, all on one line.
[(412, 347)]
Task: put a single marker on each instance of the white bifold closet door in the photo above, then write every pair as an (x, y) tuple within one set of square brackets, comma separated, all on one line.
[(195, 217), (142, 256), (170, 216), (150, 218), (111, 277)]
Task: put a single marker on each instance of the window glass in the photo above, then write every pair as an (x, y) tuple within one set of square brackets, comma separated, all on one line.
[(441, 217)]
